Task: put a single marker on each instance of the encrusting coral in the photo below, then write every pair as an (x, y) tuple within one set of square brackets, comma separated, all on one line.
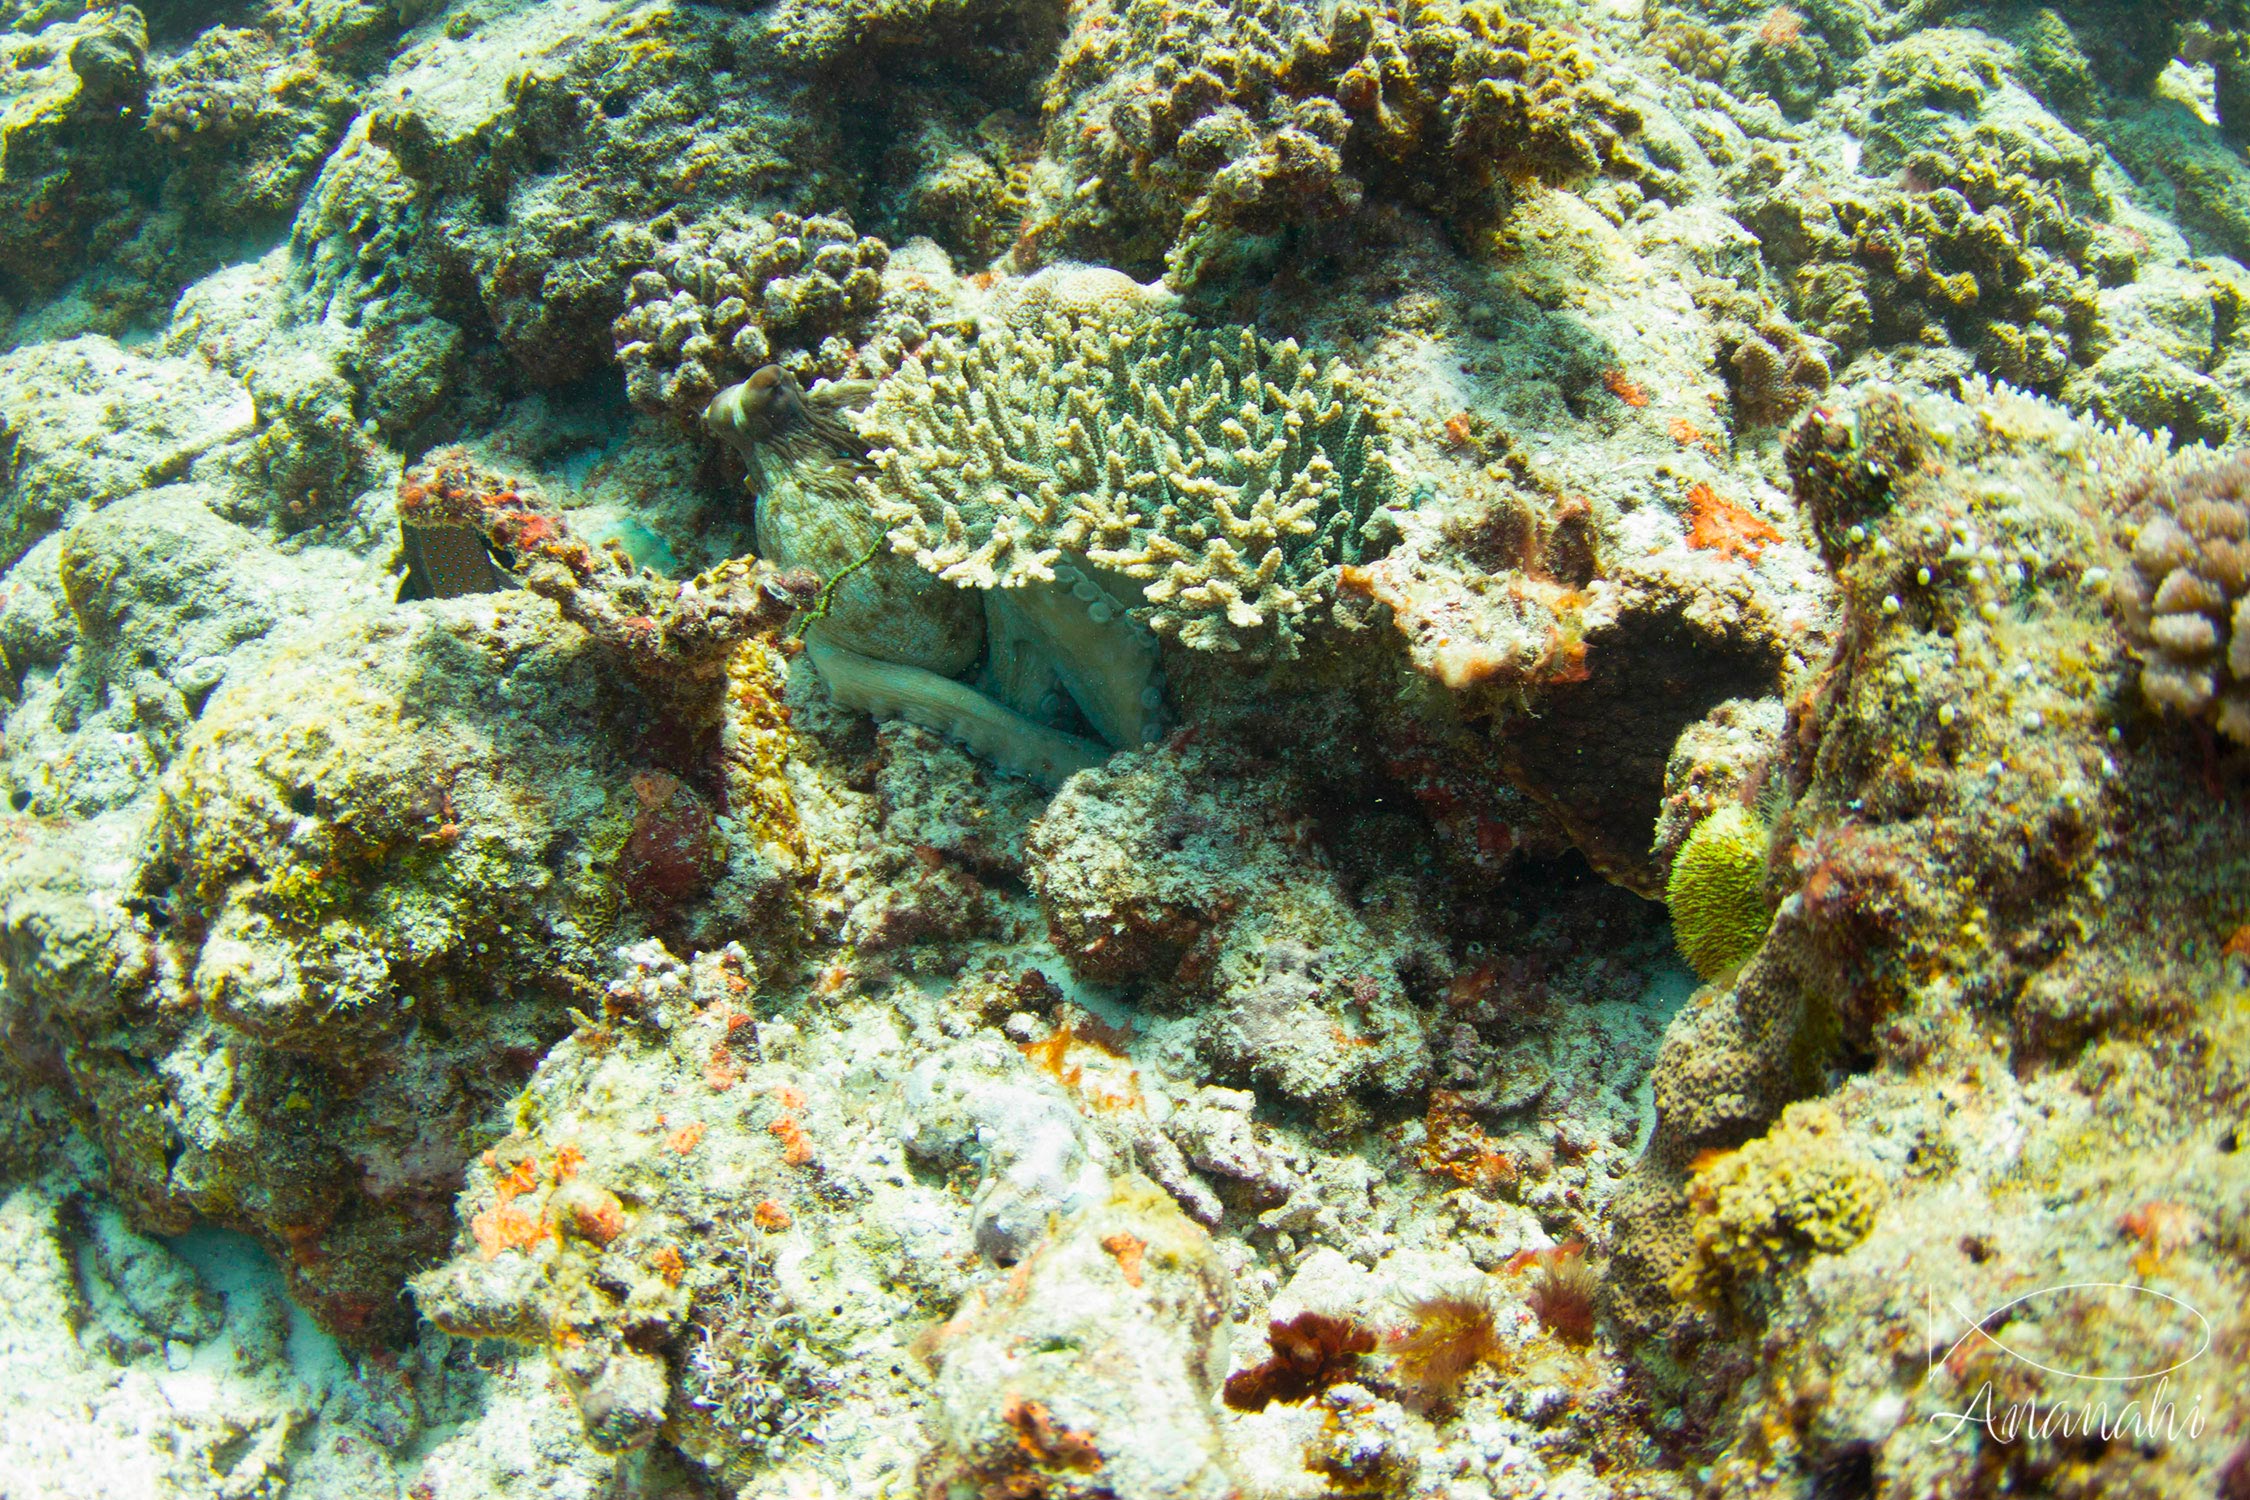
[(1799, 1189), (1205, 128)]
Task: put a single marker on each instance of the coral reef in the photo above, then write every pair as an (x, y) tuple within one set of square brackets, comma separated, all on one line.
[(957, 870), (2005, 908), (1204, 127)]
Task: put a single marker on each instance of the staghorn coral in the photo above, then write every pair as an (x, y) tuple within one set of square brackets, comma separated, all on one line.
[(1211, 480), (1203, 128), (1718, 910), (721, 300), (2184, 598)]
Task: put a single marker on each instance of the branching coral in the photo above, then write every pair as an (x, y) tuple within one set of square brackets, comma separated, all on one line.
[(1224, 475)]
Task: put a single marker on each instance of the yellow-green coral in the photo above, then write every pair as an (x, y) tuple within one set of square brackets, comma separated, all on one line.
[(1719, 914), (1225, 475), (1798, 1190)]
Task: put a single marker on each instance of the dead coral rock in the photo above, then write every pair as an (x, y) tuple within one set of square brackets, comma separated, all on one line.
[(1091, 1371), (590, 136), (1197, 872), (678, 638), (1584, 690), (763, 1229)]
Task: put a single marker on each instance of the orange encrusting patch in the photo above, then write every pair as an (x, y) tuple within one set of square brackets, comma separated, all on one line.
[(721, 1071), (1724, 527), (796, 1146), (1128, 1250), (601, 1220), (506, 1227), (684, 1139), (1623, 389), (668, 1265)]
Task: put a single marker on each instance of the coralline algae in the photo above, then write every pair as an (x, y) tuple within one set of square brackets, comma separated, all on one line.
[(879, 748)]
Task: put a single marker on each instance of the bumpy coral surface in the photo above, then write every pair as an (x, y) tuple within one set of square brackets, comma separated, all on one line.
[(1208, 125), (806, 293), (1715, 892), (2181, 596)]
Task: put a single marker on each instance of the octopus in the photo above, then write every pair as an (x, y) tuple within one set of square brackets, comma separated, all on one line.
[(1004, 671)]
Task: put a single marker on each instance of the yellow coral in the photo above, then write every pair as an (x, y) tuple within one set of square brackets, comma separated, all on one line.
[(1797, 1190), (1719, 914)]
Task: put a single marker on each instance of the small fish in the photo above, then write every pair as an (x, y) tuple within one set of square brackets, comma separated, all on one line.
[(445, 562)]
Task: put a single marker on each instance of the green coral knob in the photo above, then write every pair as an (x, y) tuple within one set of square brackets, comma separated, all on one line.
[(1719, 916)]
